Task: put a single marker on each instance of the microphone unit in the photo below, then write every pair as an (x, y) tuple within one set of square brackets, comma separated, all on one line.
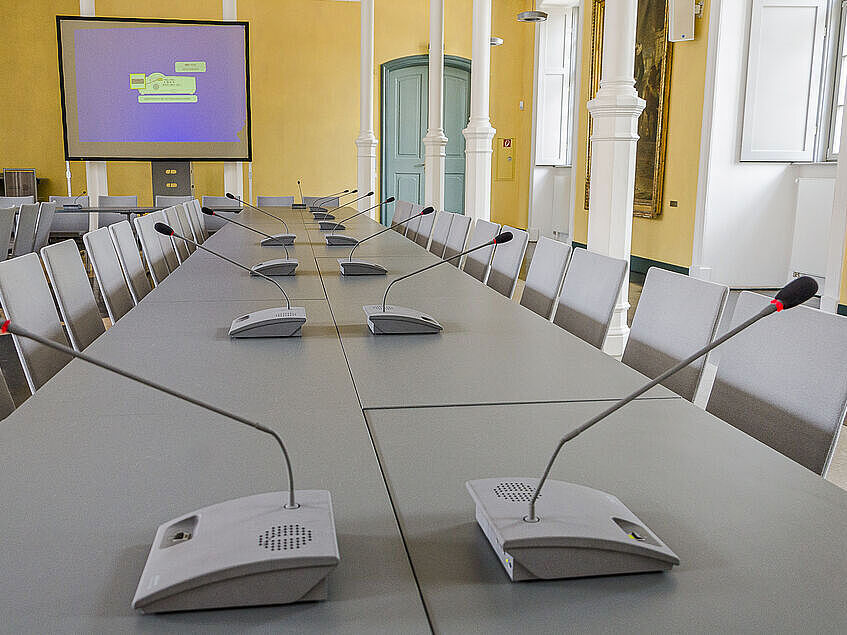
[(73, 204), (385, 319), (277, 239), (203, 560), (301, 204), (275, 267), (349, 267), (327, 216), (575, 531), (276, 322), (315, 208), (321, 213), (334, 226)]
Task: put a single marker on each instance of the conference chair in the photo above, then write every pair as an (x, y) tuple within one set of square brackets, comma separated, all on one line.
[(199, 219), (167, 242), (7, 404), (167, 201), (220, 204), (70, 222), (589, 293), (151, 247), (440, 231), (180, 247), (476, 264), (783, 381), (275, 201), (183, 212), (676, 315), (74, 296), (459, 227), (413, 225), (7, 220), (323, 200), (544, 278), (16, 201), (25, 229), (506, 262), (425, 230), (26, 299), (130, 259), (108, 218), (402, 211), (108, 272), (44, 225)]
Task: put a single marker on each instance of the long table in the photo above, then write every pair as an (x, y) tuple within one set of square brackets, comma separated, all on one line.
[(392, 427)]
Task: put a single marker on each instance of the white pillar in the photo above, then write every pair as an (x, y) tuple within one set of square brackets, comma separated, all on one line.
[(233, 171), (435, 140), (479, 133), (615, 111), (366, 141), (96, 182), (837, 234)]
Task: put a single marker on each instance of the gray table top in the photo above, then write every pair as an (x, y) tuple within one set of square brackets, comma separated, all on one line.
[(760, 538)]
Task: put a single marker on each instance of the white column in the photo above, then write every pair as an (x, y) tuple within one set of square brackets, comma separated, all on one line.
[(435, 140), (96, 182), (233, 171), (615, 111), (479, 133), (837, 240), (366, 141)]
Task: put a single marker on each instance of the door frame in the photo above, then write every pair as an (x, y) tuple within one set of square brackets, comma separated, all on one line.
[(451, 61)]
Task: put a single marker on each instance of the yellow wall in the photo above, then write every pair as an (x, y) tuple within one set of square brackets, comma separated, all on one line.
[(844, 277), (670, 237)]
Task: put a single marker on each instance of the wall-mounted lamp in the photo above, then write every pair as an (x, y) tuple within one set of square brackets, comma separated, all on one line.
[(495, 41), (532, 16)]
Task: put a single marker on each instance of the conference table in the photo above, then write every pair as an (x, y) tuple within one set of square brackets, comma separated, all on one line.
[(392, 426)]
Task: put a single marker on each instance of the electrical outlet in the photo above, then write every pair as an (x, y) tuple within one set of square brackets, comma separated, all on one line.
[(674, 203)]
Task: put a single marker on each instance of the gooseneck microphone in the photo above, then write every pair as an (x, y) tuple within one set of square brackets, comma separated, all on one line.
[(423, 212), (210, 212), (339, 223), (167, 230), (302, 203), (73, 203), (317, 208), (8, 327), (258, 209), (499, 239), (795, 292), (332, 209)]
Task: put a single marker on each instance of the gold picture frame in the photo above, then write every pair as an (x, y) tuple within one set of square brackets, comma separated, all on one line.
[(652, 82)]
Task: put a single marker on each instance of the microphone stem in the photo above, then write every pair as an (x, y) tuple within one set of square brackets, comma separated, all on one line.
[(337, 223), (151, 384), (380, 232), (345, 204), (235, 222), (259, 209), (634, 395)]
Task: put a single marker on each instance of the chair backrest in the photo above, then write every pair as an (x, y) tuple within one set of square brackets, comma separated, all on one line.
[(130, 259), (589, 294), (70, 222), (7, 221), (151, 247), (198, 217), (180, 246), (46, 214), (440, 231), (425, 230), (218, 203), (676, 315), (413, 225), (186, 219), (275, 201), (73, 293), (167, 243), (25, 229), (506, 262), (544, 278), (7, 404), (26, 299), (167, 201), (117, 201), (459, 226), (476, 264), (784, 381), (109, 272), (324, 201), (402, 211), (16, 201)]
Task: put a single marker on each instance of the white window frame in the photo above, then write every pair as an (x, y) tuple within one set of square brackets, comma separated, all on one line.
[(837, 25)]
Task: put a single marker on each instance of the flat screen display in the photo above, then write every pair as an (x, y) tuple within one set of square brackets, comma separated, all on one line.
[(137, 89)]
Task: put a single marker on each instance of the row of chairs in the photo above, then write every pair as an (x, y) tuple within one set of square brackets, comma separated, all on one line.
[(25, 228)]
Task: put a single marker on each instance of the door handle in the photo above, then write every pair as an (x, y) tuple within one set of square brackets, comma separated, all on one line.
[(418, 165)]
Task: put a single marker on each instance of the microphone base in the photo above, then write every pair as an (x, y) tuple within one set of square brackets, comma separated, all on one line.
[(322, 216), (399, 320), (279, 240), (276, 322), (357, 267), (298, 206), (275, 267), (71, 206), (328, 225), (314, 209), (248, 551), (340, 240), (582, 531)]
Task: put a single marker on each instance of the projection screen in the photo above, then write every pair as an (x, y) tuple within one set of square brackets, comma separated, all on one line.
[(143, 90)]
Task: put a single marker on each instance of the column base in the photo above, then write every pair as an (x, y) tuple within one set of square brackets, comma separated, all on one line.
[(435, 163), (366, 144)]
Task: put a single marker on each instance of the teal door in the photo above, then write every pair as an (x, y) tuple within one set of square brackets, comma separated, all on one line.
[(404, 124)]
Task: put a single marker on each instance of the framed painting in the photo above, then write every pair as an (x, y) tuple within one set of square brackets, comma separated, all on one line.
[(652, 82)]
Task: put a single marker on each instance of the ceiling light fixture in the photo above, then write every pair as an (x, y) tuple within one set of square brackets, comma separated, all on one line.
[(532, 16)]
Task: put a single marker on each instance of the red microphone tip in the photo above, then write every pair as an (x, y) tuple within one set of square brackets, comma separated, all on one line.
[(778, 304), (5, 328)]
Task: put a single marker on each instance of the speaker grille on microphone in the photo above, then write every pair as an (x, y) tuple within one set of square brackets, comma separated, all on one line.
[(514, 491), (285, 537)]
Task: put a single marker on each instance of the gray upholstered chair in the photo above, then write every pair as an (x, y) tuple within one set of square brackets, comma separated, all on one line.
[(180, 246), (74, 296), (413, 225), (425, 230), (220, 204), (46, 216), (676, 315), (16, 201), (167, 243), (7, 404), (185, 221), (459, 227), (105, 219), (589, 293), (108, 272), (783, 381), (402, 211), (544, 278), (130, 259), (440, 231), (25, 229), (167, 201), (199, 220), (70, 222), (275, 201), (506, 262), (7, 221), (476, 264), (26, 299), (151, 247)]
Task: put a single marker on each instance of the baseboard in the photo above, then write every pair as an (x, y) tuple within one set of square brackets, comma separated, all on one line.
[(637, 264)]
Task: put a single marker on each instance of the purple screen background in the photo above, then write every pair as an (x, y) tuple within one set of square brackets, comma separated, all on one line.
[(108, 110)]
